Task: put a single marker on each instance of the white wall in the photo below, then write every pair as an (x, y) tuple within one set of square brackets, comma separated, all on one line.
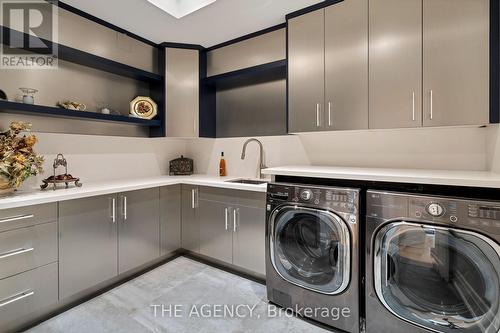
[(99, 158), (426, 148), (493, 148)]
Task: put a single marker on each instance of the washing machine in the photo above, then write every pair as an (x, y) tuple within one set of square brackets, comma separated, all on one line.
[(432, 264), (312, 252)]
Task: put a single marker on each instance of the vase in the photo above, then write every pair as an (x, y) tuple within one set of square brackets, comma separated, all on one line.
[(5, 187)]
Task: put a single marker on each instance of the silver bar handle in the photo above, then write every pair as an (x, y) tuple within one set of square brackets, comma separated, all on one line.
[(124, 198), (432, 104), (15, 252), (194, 195), (17, 218), (329, 114), (413, 106), (226, 217), (113, 210), (235, 218), (318, 122), (16, 298)]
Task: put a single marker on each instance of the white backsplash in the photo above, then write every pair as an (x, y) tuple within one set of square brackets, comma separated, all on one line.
[(457, 148), (98, 158)]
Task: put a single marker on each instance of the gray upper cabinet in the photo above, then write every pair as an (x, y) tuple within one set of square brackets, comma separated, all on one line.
[(395, 63), (182, 92), (328, 68), (88, 243), (190, 239), (170, 219), (138, 228), (456, 62), (306, 72), (346, 66)]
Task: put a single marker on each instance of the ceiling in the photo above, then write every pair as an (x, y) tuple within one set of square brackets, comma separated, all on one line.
[(214, 24)]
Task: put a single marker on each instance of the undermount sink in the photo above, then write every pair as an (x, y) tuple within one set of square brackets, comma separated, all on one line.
[(247, 181)]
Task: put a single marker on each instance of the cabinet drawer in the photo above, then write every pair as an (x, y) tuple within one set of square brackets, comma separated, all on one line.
[(14, 218), (27, 293), (252, 199), (27, 248), (223, 195)]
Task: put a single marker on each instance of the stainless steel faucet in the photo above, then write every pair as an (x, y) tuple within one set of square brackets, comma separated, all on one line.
[(261, 155)]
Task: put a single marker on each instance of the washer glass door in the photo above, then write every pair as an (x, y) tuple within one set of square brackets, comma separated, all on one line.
[(311, 248), (445, 280)]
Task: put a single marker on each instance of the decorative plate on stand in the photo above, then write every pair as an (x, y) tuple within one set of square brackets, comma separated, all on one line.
[(143, 107)]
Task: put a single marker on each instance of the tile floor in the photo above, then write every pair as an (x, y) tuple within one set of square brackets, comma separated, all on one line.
[(196, 289)]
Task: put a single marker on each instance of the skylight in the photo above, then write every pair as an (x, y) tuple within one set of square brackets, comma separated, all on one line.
[(181, 8)]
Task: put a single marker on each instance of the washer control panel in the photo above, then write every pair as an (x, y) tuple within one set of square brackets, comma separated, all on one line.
[(341, 200)]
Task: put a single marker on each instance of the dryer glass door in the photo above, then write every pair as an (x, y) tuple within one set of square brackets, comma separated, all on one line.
[(311, 248), (442, 279)]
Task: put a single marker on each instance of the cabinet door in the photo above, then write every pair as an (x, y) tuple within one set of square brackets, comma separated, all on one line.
[(170, 219), (190, 230), (346, 65), (138, 228), (215, 230), (456, 62), (306, 71), (249, 238), (87, 243), (182, 84), (395, 63)]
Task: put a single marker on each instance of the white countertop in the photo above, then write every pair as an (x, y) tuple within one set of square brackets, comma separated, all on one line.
[(34, 197), (414, 176)]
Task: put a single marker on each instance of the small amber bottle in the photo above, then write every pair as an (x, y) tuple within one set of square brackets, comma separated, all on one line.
[(222, 166)]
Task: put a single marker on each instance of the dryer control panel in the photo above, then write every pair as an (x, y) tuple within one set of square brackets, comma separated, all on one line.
[(473, 214)]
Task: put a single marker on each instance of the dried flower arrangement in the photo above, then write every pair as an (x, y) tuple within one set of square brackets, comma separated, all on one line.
[(18, 161)]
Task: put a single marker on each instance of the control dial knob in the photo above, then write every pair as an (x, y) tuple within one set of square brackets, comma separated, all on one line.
[(435, 209), (306, 195)]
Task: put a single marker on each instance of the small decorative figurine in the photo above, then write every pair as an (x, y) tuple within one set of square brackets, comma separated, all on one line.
[(70, 105), (62, 178)]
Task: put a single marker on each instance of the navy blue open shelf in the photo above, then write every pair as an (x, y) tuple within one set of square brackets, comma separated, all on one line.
[(155, 82), (271, 69), (48, 111), (79, 57)]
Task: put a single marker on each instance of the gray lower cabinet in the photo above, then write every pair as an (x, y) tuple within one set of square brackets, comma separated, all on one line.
[(27, 295), (14, 218), (232, 227), (27, 248), (138, 228), (249, 239), (170, 219), (215, 230), (88, 243), (190, 239)]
